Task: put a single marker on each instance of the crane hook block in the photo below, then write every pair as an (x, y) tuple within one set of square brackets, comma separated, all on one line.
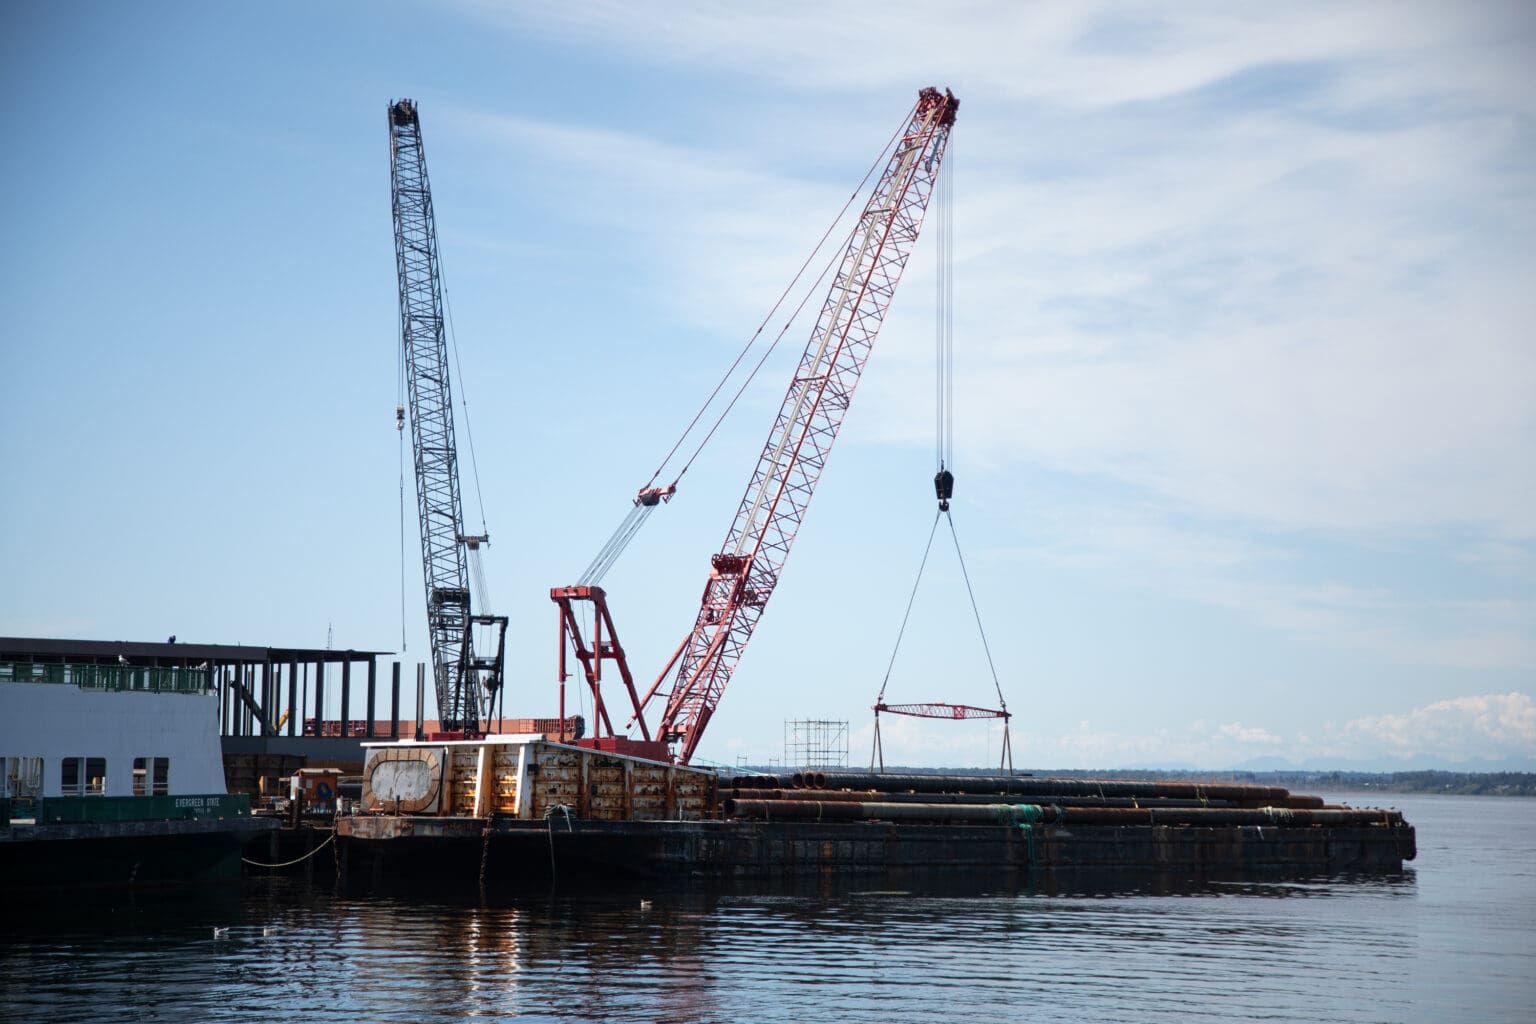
[(944, 487), (653, 496)]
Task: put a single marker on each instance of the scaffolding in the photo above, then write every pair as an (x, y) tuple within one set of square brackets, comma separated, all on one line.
[(816, 743)]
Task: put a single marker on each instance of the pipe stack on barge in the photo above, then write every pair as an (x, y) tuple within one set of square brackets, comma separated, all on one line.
[(524, 809)]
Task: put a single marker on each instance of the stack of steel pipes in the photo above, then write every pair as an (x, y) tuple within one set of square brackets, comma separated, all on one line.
[(1025, 799)]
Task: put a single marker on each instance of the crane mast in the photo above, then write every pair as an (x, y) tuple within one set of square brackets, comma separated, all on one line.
[(744, 572), (457, 669)]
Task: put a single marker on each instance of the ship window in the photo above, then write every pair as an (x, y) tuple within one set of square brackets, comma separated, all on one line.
[(151, 776), (83, 776), (95, 776), (69, 776)]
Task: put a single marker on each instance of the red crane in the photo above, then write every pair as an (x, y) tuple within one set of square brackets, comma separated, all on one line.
[(744, 572)]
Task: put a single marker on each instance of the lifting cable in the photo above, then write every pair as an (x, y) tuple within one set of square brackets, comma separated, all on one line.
[(944, 320), (986, 647), (463, 393), (400, 432), (944, 429), (481, 591), (945, 514), (650, 496), (908, 614), (472, 544)]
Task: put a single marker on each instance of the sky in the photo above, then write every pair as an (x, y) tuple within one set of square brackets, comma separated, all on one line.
[(1245, 379)]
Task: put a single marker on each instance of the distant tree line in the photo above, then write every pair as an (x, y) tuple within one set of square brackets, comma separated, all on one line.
[(1454, 783), (1450, 783)]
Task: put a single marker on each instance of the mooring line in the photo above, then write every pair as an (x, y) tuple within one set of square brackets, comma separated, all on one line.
[(291, 863)]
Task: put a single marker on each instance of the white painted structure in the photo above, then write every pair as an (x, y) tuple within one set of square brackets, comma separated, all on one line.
[(45, 725)]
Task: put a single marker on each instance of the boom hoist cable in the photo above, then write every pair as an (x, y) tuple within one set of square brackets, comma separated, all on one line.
[(944, 491), (649, 497)]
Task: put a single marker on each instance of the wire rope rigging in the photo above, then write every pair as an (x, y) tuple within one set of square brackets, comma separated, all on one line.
[(649, 497), (944, 490)]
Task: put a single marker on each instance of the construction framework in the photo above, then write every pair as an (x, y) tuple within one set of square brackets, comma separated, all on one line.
[(816, 743)]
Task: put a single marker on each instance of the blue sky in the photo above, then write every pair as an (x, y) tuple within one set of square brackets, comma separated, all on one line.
[(1245, 374)]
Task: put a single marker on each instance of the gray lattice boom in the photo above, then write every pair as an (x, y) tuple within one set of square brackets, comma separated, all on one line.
[(746, 570), (437, 472)]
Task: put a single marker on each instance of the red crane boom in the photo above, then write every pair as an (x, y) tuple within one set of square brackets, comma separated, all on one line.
[(743, 574)]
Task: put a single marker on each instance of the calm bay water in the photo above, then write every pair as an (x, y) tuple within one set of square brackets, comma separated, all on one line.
[(1451, 939)]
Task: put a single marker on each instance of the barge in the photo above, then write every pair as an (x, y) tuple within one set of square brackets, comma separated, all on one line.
[(529, 810)]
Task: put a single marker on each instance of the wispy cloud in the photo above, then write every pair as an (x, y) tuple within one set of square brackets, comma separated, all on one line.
[(1261, 275), (1276, 581), (713, 233), (1085, 55), (1270, 266), (1460, 729), (1478, 728)]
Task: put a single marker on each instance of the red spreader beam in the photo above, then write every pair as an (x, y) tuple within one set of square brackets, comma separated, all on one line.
[(957, 712)]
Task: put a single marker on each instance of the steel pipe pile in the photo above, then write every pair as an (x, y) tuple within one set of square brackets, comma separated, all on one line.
[(1021, 814), (875, 796), (1021, 785)]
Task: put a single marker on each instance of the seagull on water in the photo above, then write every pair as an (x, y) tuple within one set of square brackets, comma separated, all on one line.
[(220, 933)]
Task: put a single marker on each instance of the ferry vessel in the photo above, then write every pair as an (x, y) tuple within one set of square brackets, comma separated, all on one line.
[(112, 774)]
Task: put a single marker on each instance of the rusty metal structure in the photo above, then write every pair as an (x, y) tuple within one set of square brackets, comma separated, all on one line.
[(531, 779), (546, 812)]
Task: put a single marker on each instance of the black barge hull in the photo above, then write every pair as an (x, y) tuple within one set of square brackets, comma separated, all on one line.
[(379, 848), (124, 853)]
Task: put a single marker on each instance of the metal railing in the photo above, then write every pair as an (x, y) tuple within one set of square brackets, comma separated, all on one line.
[(137, 678)]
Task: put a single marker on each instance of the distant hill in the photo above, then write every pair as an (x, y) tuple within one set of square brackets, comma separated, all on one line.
[(1454, 783), (1417, 763)]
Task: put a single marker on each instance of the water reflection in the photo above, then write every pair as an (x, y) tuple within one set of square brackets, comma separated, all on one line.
[(1440, 941)]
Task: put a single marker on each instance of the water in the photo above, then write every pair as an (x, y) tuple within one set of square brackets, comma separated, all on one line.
[(1451, 939)]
